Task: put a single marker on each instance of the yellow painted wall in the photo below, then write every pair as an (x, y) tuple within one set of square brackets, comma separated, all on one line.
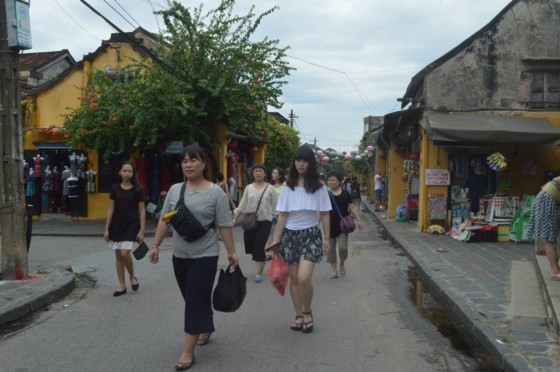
[(431, 157), (397, 187)]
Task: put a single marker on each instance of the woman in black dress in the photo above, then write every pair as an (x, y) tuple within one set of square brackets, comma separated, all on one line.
[(126, 219), (339, 239)]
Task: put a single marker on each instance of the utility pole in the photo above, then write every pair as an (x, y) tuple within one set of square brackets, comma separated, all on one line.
[(12, 198), (292, 117)]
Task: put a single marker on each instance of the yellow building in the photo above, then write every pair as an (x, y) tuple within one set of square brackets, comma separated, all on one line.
[(53, 85), (480, 126)]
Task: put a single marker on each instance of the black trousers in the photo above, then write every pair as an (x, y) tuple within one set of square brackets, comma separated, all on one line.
[(255, 240), (195, 278)]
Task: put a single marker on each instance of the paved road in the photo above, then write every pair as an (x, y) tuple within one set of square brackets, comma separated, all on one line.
[(364, 321)]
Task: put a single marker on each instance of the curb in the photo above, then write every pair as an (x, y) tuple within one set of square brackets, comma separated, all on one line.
[(505, 356), (61, 284)]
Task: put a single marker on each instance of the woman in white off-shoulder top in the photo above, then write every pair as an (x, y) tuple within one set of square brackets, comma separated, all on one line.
[(301, 242)]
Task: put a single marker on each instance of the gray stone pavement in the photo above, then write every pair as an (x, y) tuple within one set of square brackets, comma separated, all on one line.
[(499, 292)]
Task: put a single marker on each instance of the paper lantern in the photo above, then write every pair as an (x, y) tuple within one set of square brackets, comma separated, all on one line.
[(358, 158), (319, 153), (369, 149), (232, 145), (325, 159), (347, 157)]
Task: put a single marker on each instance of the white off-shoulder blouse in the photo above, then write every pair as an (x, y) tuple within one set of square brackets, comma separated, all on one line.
[(302, 207)]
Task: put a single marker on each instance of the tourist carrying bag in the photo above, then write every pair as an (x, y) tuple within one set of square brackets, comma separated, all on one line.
[(185, 223), (230, 290), (347, 224), (250, 220)]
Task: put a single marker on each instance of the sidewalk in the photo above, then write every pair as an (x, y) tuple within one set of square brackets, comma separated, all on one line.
[(498, 291), (21, 297)]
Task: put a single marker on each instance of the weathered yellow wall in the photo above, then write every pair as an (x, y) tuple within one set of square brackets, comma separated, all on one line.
[(397, 187), (431, 157)]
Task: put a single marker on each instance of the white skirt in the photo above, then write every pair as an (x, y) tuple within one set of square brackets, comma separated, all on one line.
[(121, 245)]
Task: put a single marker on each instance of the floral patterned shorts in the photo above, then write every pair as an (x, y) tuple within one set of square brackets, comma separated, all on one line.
[(306, 244)]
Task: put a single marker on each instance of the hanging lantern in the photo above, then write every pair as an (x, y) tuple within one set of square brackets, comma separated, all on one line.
[(347, 157), (353, 152), (319, 153), (369, 149), (358, 157), (254, 149), (232, 145), (325, 159)]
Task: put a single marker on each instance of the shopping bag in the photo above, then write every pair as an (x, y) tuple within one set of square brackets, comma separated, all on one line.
[(230, 290), (278, 273)]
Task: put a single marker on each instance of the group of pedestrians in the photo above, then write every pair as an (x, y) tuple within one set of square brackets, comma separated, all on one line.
[(294, 216)]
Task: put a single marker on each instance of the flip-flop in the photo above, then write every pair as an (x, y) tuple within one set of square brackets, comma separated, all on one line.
[(555, 277), (334, 276)]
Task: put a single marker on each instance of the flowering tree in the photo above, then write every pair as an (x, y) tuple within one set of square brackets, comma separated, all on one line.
[(209, 72)]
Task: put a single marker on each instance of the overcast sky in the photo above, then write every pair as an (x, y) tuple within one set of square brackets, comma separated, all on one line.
[(353, 58)]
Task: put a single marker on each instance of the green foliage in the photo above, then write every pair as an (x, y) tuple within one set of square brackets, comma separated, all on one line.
[(233, 78), (283, 143), (211, 73)]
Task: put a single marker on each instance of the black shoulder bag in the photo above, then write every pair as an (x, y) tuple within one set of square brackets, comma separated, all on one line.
[(185, 223)]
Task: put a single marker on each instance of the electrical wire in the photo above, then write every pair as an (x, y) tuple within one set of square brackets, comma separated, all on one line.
[(131, 17), (76, 22), (116, 11)]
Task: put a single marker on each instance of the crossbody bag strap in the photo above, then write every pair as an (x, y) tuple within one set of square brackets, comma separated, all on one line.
[(335, 204), (182, 196), (260, 199)]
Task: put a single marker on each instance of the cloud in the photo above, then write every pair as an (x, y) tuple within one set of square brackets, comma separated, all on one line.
[(375, 46)]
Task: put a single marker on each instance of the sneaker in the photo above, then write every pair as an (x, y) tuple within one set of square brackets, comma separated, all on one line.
[(258, 279)]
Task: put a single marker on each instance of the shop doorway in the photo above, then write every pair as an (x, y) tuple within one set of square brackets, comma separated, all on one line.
[(44, 182)]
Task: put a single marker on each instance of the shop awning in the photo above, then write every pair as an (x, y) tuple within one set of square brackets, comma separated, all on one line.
[(489, 129)]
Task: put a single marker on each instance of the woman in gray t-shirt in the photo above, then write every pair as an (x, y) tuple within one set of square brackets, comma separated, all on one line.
[(195, 263)]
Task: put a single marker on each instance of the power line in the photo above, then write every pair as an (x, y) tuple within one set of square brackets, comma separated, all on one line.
[(116, 11), (119, 4), (76, 22), (360, 94)]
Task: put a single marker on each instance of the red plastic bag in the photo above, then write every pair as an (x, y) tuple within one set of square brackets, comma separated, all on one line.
[(278, 273)]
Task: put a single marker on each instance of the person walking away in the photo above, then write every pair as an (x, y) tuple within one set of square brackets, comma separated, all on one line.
[(378, 189), (355, 192), (277, 179), (195, 263), (224, 186), (544, 223), (126, 218), (301, 244), (338, 238), (258, 196)]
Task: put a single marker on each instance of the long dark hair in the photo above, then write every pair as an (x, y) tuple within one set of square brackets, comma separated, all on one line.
[(312, 180), (133, 180)]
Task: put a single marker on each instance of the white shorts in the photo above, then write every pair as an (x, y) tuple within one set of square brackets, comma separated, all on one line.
[(121, 245)]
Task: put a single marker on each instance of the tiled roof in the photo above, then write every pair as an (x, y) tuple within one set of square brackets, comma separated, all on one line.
[(30, 61)]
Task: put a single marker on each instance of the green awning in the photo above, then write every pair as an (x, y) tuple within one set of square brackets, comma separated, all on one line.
[(489, 129)]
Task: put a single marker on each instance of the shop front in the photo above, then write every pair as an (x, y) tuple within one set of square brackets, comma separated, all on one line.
[(475, 174), (481, 172)]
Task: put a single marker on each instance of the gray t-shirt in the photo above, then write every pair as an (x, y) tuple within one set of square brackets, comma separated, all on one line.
[(207, 205)]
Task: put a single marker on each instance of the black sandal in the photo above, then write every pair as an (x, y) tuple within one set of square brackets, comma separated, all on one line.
[(307, 327), (295, 326)]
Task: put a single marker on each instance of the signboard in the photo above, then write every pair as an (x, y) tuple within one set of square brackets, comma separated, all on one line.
[(437, 205), (437, 177), (175, 147), (19, 24)]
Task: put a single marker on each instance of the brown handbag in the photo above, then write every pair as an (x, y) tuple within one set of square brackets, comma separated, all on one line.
[(250, 220)]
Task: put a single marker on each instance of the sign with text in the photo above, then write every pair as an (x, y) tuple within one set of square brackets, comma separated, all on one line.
[(437, 177)]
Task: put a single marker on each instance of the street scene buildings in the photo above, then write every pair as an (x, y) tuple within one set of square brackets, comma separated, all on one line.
[(475, 139)]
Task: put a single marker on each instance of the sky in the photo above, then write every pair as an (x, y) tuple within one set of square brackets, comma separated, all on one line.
[(353, 58)]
